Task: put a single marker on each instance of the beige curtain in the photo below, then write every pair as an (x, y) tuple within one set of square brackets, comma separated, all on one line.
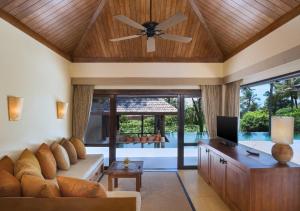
[(232, 99), (82, 103), (212, 107)]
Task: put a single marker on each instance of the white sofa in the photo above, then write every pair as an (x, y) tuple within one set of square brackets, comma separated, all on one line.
[(91, 168)]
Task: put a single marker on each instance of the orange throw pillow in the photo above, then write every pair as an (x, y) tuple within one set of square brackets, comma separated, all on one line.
[(27, 164), (47, 161), (69, 147), (9, 185), (33, 186), (79, 147), (72, 187), (7, 164)]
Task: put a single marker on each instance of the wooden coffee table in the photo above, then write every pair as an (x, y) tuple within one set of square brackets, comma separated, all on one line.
[(117, 170)]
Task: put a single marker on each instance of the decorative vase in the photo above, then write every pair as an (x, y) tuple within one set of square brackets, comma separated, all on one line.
[(283, 153), (126, 162)]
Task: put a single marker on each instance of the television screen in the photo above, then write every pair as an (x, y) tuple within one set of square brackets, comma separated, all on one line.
[(227, 128)]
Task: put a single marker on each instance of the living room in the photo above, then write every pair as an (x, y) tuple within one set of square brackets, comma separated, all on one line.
[(99, 122)]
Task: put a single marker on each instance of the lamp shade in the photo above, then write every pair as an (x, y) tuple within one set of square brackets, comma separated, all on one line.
[(282, 130), (15, 107), (62, 109)]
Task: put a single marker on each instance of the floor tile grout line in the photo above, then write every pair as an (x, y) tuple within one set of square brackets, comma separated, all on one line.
[(185, 192)]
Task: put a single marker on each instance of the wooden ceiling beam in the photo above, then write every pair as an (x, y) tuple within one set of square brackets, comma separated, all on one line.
[(24, 28), (146, 59), (276, 24), (93, 20), (204, 24)]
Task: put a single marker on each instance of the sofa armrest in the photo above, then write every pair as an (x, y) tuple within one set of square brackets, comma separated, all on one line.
[(125, 194), (68, 203)]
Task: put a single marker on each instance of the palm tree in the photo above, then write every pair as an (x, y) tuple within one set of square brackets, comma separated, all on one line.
[(248, 100), (292, 88)]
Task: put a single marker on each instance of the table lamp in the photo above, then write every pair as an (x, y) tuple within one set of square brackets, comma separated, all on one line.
[(282, 133)]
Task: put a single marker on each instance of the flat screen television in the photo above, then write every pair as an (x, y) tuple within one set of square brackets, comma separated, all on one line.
[(227, 128)]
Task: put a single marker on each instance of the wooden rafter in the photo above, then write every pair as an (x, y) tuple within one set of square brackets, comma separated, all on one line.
[(18, 24), (89, 26), (276, 24), (204, 24)]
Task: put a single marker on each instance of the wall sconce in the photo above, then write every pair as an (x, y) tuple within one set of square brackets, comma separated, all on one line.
[(15, 107), (62, 109)]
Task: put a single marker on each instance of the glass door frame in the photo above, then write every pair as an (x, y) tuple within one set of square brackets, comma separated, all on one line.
[(181, 119), (180, 94)]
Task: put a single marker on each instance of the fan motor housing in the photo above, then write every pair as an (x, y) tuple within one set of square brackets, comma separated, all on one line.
[(150, 26)]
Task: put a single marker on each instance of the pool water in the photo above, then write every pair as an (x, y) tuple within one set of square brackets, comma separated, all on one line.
[(192, 137)]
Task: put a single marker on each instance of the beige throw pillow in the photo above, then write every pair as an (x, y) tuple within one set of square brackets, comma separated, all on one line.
[(79, 147), (73, 187), (61, 156), (27, 164), (70, 150)]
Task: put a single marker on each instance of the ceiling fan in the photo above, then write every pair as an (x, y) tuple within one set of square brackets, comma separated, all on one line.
[(152, 29)]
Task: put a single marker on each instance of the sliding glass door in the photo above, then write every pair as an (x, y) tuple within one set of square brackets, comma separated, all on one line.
[(161, 127), (191, 129)]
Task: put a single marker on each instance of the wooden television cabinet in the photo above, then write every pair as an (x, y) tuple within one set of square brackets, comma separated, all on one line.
[(247, 182)]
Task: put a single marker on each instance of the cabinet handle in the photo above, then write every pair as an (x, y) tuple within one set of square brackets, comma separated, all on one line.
[(223, 161), (206, 150)]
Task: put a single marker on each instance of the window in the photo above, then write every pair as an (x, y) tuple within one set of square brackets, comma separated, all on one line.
[(280, 97), (98, 127)]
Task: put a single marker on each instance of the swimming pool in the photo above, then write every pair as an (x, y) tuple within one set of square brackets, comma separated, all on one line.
[(192, 137)]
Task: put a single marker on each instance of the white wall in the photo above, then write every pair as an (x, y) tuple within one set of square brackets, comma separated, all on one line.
[(150, 70), (32, 71)]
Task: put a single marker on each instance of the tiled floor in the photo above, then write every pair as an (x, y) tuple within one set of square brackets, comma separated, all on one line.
[(202, 195)]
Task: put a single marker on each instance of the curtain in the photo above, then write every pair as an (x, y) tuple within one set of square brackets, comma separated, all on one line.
[(212, 107), (82, 103), (232, 99)]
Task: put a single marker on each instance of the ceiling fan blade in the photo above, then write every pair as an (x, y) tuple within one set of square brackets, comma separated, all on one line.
[(172, 21), (125, 38), (150, 44), (129, 22), (177, 38)]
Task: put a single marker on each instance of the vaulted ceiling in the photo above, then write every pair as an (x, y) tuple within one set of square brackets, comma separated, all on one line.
[(80, 29)]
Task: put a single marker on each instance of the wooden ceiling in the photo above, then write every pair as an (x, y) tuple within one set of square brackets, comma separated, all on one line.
[(80, 29)]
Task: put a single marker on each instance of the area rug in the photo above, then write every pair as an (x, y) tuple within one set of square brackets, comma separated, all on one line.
[(161, 191)]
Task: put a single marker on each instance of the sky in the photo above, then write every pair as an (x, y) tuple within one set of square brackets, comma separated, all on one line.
[(260, 91)]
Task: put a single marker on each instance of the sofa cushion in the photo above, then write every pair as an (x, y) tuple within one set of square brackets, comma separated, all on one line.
[(124, 194), (28, 154), (73, 187), (33, 186), (27, 164), (7, 164), (47, 161), (79, 147), (61, 156), (69, 147), (9, 185), (84, 168)]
